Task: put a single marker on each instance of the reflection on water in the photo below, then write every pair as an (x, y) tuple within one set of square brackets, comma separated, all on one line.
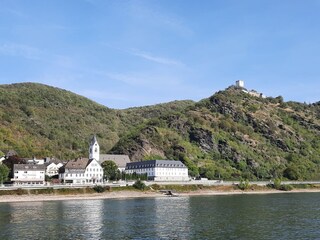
[(279, 216)]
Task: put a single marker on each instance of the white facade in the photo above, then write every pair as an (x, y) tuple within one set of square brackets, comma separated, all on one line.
[(240, 83), (94, 172), (53, 169), (94, 149), (28, 174), (82, 171), (160, 170)]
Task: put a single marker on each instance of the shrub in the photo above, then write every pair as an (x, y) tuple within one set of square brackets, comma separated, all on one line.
[(286, 187), (277, 183), (156, 187), (101, 189), (139, 185), (244, 184), (21, 191)]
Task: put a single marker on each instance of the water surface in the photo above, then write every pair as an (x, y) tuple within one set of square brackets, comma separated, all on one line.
[(272, 216)]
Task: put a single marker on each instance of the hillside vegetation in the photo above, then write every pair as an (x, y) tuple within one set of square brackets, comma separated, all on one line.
[(228, 135)]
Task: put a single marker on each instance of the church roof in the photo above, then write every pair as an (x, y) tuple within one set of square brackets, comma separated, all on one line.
[(94, 139), (120, 160)]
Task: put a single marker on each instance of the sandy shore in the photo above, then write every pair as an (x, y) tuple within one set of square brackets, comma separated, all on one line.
[(133, 194)]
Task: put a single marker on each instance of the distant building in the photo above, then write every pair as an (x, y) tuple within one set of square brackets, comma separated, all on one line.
[(81, 171), (28, 174), (160, 170), (240, 84)]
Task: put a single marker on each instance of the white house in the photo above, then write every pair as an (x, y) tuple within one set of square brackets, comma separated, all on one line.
[(52, 168), (28, 174), (81, 171), (160, 170)]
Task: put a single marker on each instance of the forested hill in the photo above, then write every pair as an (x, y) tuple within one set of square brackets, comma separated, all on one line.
[(229, 135)]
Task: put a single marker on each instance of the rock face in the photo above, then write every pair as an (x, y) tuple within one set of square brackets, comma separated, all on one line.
[(203, 138)]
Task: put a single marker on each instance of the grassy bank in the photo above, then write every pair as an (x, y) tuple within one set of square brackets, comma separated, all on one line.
[(154, 188)]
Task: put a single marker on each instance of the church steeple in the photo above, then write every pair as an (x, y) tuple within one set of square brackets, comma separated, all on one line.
[(94, 149)]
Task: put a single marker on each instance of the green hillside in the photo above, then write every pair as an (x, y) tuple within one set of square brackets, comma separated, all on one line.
[(229, 135)]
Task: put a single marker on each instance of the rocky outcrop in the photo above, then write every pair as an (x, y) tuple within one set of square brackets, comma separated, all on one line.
[(203, 138)]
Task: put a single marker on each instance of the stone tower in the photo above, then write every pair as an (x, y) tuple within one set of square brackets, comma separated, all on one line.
[(240, 84), (94, 149)]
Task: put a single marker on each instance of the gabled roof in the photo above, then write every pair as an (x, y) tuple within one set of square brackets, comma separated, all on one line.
[(93, 140), (79, 163), (120, 160)]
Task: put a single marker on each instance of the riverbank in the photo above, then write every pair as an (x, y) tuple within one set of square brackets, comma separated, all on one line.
[(137, 194)]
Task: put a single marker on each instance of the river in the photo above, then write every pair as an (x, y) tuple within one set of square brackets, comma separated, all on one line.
[(270, 216)]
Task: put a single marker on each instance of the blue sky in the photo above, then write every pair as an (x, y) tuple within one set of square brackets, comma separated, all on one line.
[(134, 53)]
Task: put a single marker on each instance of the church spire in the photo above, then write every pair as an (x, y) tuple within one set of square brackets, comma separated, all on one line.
[(94, 149)]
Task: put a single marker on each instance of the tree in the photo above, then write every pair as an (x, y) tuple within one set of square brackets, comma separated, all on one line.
[(4, 173), (10, 161), (292, 173), (110, 170)]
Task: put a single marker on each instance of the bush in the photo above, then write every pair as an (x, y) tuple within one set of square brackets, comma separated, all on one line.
[(139, 185), (155, 187), (101, 189), (244, 184), (286, 187), (277, 183)]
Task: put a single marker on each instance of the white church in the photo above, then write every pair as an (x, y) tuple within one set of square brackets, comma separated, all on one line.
[(89, 170), (83, 170)]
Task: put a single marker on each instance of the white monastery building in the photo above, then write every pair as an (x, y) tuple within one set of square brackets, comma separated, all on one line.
[(160, 170), (28, 174)]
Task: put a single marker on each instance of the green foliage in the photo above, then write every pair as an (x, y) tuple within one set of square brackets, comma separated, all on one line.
[(110, 171), (277, 183), (292, 173), (244, 184), (139, 185), (286, 187), (4, 173), (101, 189), (228, 135)]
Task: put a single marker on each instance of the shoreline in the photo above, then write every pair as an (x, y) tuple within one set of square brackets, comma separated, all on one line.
[(136, 194)]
